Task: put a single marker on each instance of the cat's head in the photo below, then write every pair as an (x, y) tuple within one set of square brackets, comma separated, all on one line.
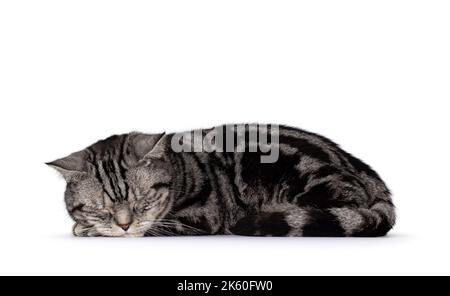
[(118, 187)]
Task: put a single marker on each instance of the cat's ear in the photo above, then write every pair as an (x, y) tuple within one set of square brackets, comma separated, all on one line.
[(71, 166), (148, 146), (160, 149)]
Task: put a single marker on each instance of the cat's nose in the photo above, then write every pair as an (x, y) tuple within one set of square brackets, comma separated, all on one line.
[(124, 226)]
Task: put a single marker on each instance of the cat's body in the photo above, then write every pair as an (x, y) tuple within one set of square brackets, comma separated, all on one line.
[(136, 185)]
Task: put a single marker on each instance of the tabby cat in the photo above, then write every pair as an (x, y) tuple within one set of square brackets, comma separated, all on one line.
[(136, 185)]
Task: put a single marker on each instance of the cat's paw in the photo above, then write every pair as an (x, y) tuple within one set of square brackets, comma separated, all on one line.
[(264, 224), (82, 231), (248, 226)]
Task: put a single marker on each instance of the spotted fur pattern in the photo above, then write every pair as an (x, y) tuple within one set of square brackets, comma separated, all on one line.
[(135, 185)]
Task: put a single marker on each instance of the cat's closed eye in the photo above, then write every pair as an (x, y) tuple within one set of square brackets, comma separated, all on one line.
[(159, 186)]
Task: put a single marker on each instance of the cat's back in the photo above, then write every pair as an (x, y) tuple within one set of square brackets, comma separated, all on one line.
[(301, 155), (321, 151)]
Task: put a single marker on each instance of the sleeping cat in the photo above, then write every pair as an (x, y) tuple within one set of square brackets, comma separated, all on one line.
[(138, 185)]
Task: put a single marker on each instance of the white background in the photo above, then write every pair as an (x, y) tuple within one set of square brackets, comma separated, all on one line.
[(372, 75)]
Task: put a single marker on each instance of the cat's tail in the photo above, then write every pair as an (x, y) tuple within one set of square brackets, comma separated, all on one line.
[(353, 222), (375, 221)]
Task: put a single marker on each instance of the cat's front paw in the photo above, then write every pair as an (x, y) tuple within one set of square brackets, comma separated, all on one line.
[(82, 231)]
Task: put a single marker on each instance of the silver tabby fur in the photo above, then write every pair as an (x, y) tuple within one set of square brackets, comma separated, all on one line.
[(135, 185)]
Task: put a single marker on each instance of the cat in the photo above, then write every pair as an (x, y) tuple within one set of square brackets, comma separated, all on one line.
[(136, 185)]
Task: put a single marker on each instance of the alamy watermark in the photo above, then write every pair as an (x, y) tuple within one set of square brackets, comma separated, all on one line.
[(263, 139)]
